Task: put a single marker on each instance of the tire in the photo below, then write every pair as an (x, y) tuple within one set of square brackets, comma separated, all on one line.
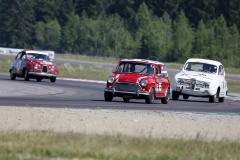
[(12, 75), (221, 99), (150, 98), (126, 99), (165, 100), (175, 95), (25, 75), (108, 96), (53, 79), (212, 99), (185, 96), (39, 79)]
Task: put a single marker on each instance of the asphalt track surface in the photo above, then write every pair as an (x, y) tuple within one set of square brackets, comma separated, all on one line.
[(90, 95)]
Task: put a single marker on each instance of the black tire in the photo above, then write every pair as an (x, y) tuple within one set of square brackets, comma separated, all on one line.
[(39, 79), (150, 98), (25, 75), (12, 75), (185, 96), (165, 100), (53, 79), (175, 95), (126, 99), (212, 99), (108, 96), (221, 99)]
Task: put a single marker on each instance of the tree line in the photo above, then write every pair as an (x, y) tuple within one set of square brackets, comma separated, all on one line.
[(165, 30)]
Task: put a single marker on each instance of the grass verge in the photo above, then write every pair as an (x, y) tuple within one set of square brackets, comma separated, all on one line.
[(87, 58), (49, 145)]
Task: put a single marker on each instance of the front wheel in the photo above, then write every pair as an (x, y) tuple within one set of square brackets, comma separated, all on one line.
[(39, 79), (221, 99), (12, 75), (165, 100), (126, 99), (53, 79), (26, 76), (212, 99), (108, 96), (175, 95), (150, 98), (185, 96)]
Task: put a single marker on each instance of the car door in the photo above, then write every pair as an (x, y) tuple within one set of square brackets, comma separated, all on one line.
[(222, 81), (17, 63), (162, 81)]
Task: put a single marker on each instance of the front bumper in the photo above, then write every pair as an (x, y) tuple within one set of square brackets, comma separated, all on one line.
[(127, 93), (41, 74), (201, 92)]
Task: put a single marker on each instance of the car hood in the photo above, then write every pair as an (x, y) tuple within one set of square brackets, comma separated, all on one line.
[(43, 62), (131, 77), (201, 76)]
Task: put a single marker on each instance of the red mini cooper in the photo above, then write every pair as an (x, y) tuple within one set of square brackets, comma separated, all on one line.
[(33, 64), (138, 79)]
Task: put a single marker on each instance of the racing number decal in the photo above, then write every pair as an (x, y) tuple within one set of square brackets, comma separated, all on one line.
[(159, 87)]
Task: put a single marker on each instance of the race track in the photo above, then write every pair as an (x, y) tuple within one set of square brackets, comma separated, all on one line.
[(80, 95)]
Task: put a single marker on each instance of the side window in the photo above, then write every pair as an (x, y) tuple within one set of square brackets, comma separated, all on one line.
[(23, 56), (158, 70), (19, 56), (220, 71)]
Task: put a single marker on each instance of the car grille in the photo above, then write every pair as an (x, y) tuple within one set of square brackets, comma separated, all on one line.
[(128, 87), (44, 69)]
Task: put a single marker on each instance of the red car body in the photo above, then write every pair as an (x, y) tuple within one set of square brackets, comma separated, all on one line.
[(138, 79), (33, 64)]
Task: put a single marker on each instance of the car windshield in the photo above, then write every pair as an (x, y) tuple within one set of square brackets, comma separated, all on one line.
[(132, 67), (38, 56), (200, 67)]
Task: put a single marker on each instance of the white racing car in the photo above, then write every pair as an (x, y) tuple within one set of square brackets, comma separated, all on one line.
[(200, 78)]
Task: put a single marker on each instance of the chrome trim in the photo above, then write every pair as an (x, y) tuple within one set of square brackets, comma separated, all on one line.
[(135, 93), (42, 74)]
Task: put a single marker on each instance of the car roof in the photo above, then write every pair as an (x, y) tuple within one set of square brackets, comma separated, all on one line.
[(141, 61), (208, 61), (36, 52)]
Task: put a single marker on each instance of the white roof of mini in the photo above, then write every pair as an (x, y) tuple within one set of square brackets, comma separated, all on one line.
[(142, 61), (208, 61), (37, 52)]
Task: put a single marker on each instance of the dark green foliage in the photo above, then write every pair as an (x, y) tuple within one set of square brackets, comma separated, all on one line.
[(167, 30)]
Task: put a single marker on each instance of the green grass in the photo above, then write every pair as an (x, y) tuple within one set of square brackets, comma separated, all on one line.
[(84, 72), (49, 145), (87, 58), (233, 86)]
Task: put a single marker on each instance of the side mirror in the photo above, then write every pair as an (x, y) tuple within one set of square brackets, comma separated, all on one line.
[(165, 74)]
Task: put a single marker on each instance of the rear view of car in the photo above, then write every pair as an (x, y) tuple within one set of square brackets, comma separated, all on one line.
[(33, 64), (200, 78), (138, 79)]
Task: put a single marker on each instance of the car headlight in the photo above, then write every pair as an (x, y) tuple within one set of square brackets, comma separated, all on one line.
[(36, 66), (52, 68), (180, 81), (205, 84), (110, 80), (143, 83)]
